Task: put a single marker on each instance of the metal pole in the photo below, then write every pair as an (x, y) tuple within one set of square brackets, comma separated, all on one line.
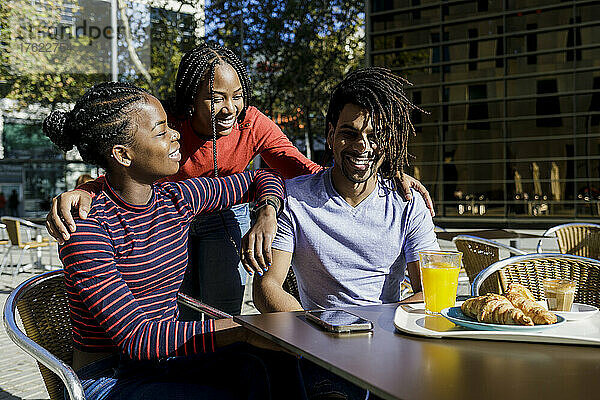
[(114, 67)]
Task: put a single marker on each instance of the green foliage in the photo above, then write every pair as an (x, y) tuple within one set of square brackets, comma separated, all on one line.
[(34, 67), (296, 52), (169, 43), (63, 74)]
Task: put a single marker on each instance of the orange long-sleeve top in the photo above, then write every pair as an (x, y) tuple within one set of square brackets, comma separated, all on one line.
[(257, 134)]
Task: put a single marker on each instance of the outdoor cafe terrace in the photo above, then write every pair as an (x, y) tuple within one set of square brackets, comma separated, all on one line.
[(20, 377)]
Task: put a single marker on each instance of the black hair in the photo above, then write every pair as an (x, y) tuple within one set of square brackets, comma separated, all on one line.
[(198, 66), (381, 93), (98, 121)]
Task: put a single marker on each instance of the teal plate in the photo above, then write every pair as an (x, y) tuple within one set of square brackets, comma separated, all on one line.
[(455, 315)]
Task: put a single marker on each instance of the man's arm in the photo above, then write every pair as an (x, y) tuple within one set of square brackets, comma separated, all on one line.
[(267, 291), (415, 281)]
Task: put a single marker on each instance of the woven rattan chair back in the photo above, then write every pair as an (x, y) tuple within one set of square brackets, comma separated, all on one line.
[(580, 240), (530, 270), (290, 285), (478, 254), (576, 238), (44, 310)]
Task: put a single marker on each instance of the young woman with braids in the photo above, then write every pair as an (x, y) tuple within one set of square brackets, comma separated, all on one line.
[(125, 262), (221, 134)]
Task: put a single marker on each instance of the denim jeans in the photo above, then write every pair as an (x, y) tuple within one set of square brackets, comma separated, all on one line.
[(236, 372), (215, 275), (322, 384)]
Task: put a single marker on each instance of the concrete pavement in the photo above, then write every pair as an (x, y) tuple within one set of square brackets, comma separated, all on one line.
[(20, 377)]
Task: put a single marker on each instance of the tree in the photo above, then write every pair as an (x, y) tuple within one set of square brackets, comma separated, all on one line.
[(296, 52), (43, 60), (33, 66)]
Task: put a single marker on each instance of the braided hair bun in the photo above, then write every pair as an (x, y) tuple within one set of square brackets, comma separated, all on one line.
[(54, 128), (100, 120)]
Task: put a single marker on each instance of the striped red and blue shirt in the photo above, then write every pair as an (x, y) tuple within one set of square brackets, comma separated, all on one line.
[(125, 263)]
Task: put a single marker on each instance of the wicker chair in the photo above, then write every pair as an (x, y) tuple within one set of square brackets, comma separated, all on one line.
[(576, 238), (531, 269), (478, 254), (290, 285), (44, 310)]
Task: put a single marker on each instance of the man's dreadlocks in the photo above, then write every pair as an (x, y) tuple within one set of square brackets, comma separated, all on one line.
[(381, 93)]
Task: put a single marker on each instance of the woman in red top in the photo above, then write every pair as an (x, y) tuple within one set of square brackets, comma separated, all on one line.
[(220, 135)]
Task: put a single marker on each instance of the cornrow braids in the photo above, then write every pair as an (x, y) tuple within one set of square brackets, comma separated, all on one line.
[(381, 93), (98, 121), (213, 122)]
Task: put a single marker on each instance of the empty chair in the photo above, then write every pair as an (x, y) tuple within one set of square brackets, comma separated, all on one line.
[(576, 238), (478, 254), (530, 270), (14, 227)]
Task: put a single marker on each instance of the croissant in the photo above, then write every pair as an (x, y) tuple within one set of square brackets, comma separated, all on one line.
[(495, 309), (523, 299)]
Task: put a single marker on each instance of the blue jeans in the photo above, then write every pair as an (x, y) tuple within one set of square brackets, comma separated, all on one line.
[(236, 372), (321, 384), (214, 274)]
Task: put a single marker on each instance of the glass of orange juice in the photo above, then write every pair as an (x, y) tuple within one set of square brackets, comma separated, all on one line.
[(439, 278)]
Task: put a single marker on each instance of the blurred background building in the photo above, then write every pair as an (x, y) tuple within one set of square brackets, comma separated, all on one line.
[(29, 163), (513, 92)]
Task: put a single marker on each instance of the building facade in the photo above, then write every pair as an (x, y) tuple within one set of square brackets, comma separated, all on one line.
[(512, 92)]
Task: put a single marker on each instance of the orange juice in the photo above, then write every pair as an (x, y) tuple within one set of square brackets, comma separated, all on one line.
[(440, 282)]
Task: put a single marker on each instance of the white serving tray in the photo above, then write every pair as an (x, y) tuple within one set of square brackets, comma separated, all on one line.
[(411, 318)]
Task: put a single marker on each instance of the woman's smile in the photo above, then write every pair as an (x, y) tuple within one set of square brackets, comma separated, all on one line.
[(175, 155)]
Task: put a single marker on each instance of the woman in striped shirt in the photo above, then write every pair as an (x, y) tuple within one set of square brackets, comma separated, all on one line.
[(125, 262)]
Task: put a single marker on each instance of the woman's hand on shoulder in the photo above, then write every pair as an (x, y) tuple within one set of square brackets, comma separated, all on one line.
[(59, 221), (256, 244), (406, 182)]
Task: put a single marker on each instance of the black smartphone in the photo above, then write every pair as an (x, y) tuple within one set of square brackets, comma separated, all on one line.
[(339, 321)]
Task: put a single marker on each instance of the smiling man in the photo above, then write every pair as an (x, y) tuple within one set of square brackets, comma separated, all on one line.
[(346, 232)]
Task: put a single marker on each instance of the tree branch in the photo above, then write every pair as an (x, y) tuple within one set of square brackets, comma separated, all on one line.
[(132, 54)]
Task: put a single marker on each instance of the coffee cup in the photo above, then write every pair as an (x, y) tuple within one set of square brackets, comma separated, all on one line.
[(559, 294)]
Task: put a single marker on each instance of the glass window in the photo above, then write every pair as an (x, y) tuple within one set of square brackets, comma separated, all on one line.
[(478, 109), (473, 49), (416, 115), (416, 14), (22, 140), (547, 104), (531, 44), (500, 47), (573, 40), (595, 103)]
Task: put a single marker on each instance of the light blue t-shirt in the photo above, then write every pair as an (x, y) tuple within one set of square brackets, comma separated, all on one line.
[(344, 255)]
